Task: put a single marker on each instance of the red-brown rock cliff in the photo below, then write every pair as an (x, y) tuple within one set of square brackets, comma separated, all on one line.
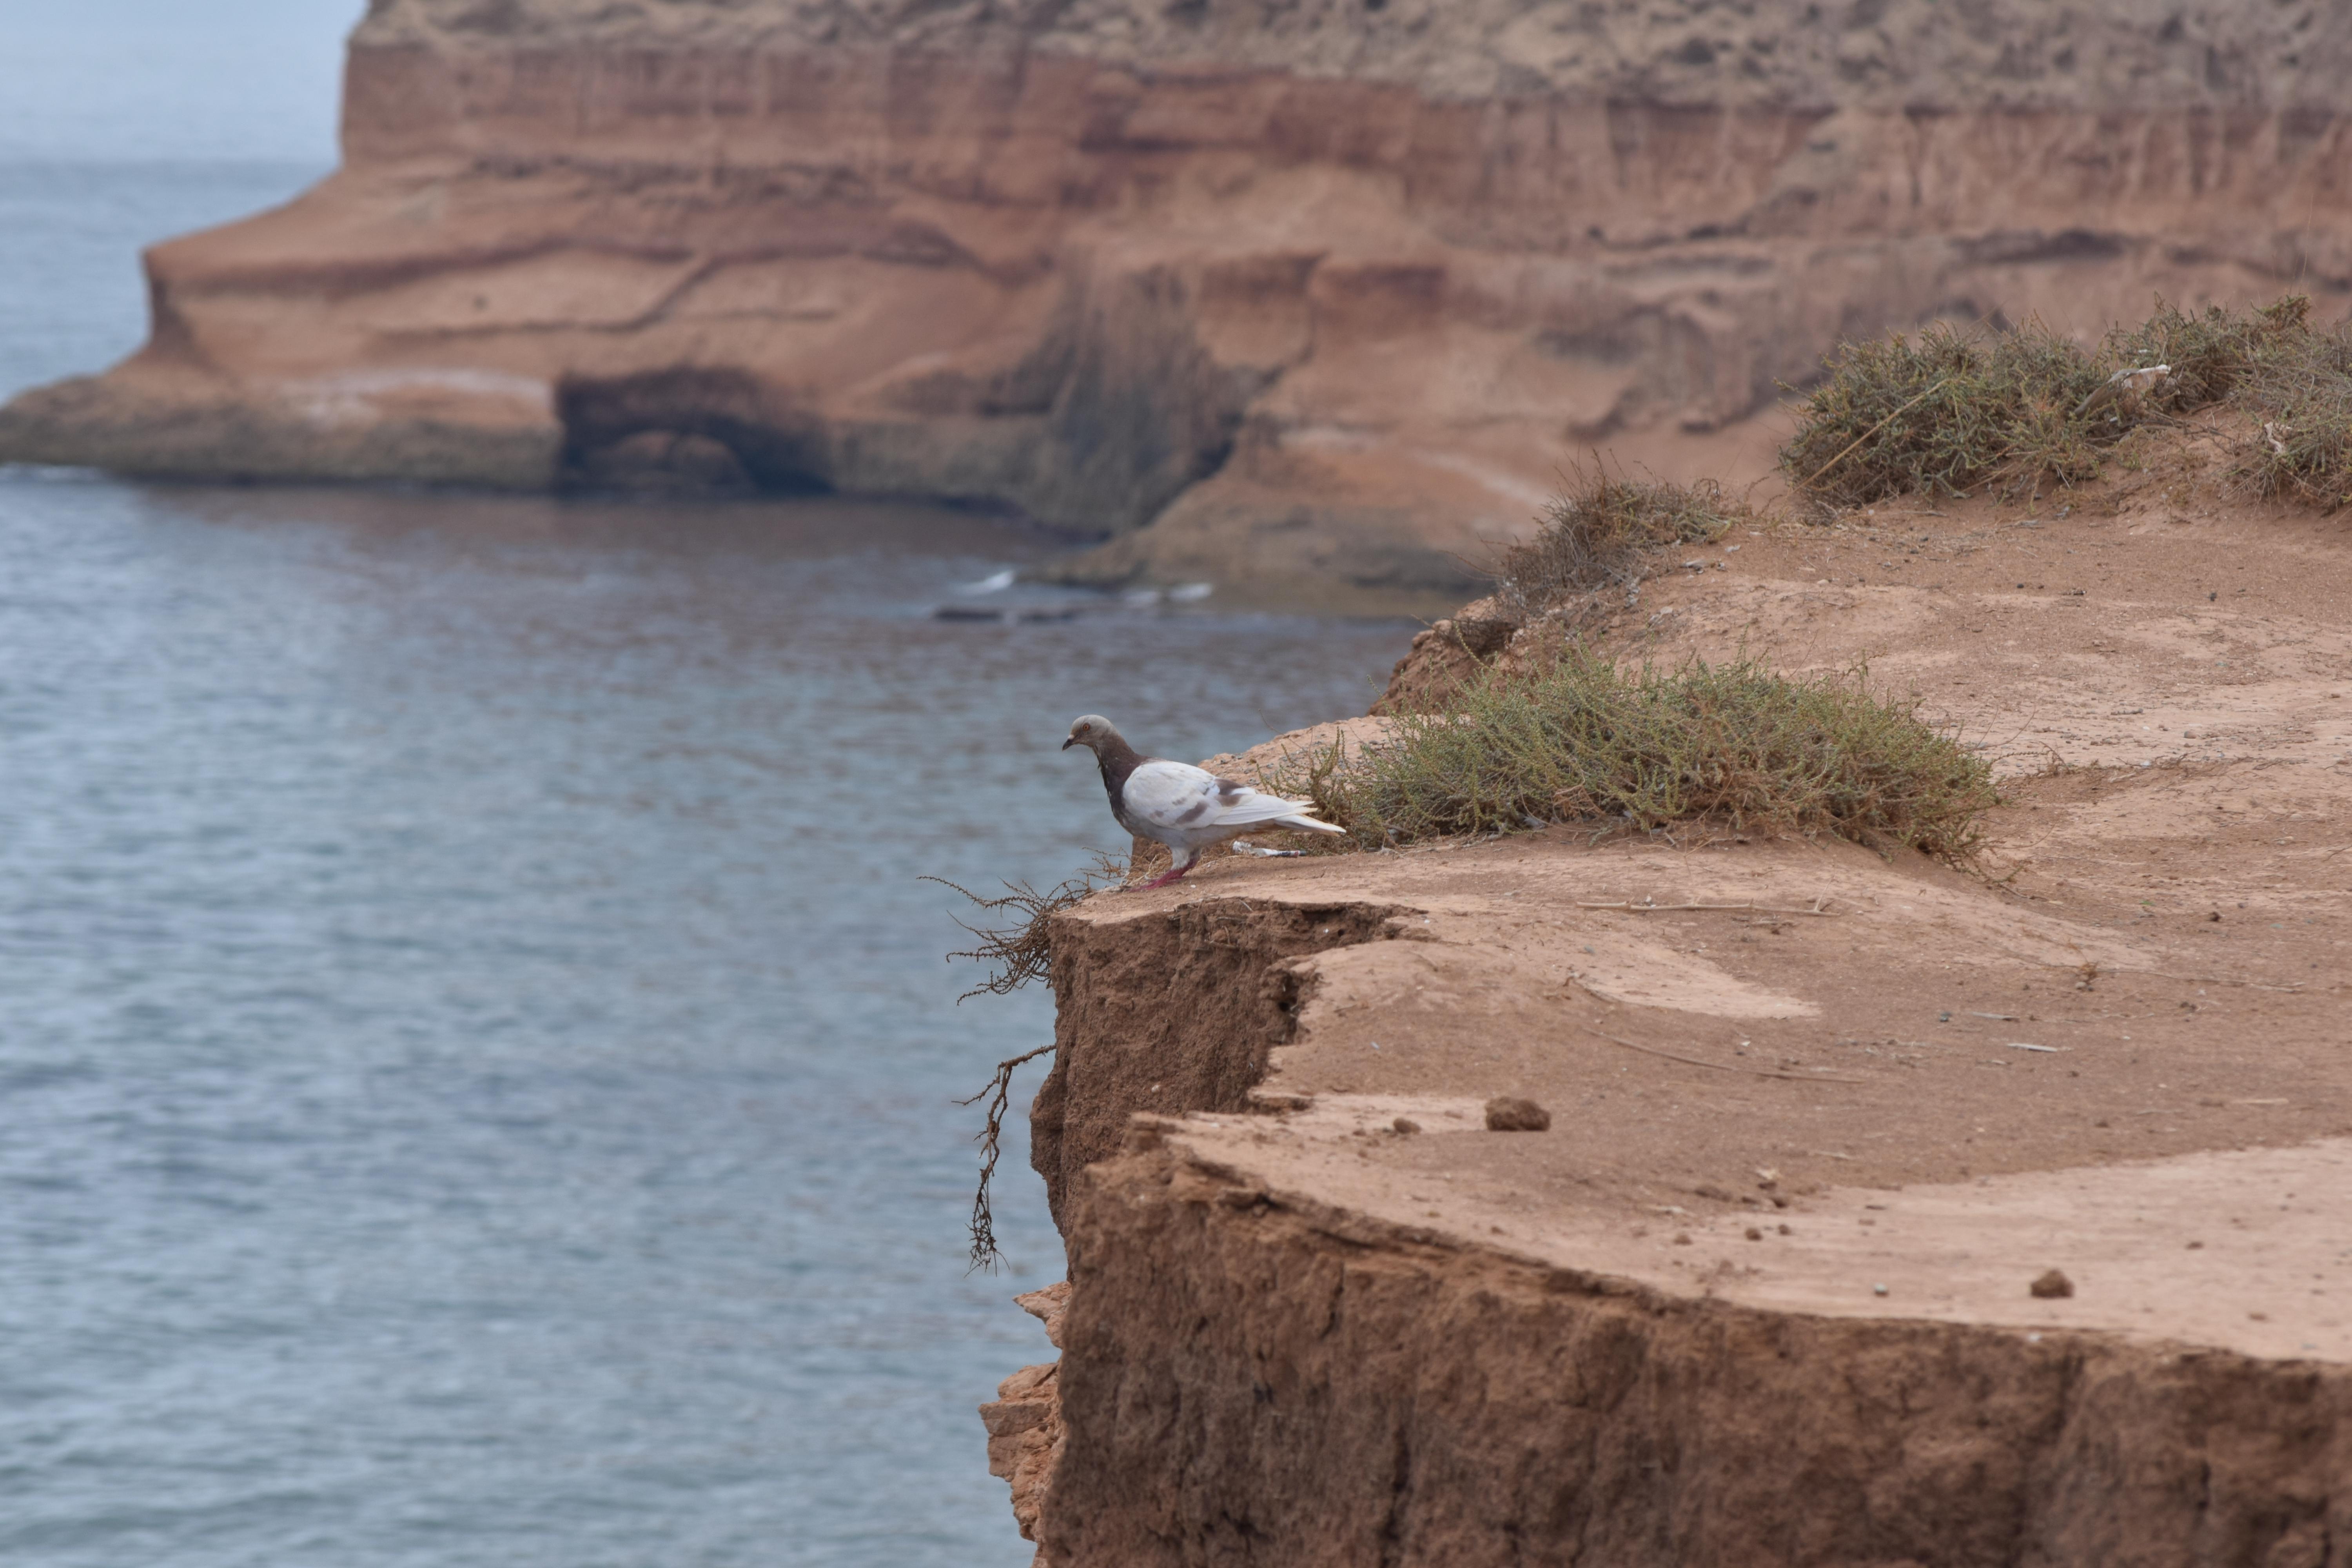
[(1298, 291)]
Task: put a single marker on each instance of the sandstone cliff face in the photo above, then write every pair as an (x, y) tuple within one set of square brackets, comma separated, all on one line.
[(1121, 1047), (1317, 291), (1251, 1377)]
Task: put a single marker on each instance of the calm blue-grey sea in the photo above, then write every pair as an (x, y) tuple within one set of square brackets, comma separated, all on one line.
[(477, 1072)]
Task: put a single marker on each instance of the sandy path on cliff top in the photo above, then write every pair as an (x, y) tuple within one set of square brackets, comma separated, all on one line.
[(2127, 1061)]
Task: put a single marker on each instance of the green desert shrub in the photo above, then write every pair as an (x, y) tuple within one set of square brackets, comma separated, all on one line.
[(2210, 353), (1946, 412), (2295, 389), (1599, 531), (1953, 409), (1733, 745)]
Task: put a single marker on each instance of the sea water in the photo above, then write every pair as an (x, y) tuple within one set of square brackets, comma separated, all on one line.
[(477, 1072)]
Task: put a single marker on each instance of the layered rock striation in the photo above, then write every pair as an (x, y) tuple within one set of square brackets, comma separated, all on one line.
[(1288, 292)]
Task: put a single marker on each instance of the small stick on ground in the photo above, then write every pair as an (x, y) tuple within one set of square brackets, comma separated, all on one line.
[(984, 1255), (1719, 1067), (2215, 980), (1731, 909)]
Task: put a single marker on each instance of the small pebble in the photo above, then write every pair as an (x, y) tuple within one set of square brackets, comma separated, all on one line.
[(1405, 1124), (1508, 1114), (1682, 1238), (1878, 1290), (2052, 1285), (1754, 1234)]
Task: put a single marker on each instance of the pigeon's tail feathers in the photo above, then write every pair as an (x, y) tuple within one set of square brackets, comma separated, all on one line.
[(1253, 808), (1305, 825)]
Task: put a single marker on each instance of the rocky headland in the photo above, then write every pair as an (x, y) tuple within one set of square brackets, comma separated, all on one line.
[(1888, 1214), (1308, 297)]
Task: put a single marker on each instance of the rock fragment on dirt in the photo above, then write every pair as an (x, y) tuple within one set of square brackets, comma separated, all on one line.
[(1508, 1114)]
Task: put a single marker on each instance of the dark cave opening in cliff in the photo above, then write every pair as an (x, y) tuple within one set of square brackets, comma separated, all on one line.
[(687, 430)]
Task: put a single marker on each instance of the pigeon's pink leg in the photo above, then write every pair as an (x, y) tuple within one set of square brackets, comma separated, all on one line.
[(1165, 878)]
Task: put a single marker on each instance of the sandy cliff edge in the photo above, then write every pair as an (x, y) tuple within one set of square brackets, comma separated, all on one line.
[(1763, 1291)]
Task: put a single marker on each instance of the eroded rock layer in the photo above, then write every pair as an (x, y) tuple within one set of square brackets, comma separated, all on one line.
[(1188, 1022), (1317, 291), (1252, 1377)]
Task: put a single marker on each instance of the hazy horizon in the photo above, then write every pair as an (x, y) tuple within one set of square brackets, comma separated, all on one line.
[(228, 109), (153, 80)]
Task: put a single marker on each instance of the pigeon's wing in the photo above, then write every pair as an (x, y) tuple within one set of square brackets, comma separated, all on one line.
[(1170, 797), (1177, 797)]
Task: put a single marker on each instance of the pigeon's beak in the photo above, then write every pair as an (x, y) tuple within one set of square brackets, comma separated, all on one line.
[(1068, 743)]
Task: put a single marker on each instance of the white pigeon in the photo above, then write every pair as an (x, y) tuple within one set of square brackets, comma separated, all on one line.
[(1176, 803)]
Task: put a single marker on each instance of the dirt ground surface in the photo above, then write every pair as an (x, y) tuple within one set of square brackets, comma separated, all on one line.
[(1887, 1211), (1933, 1085), (2065, 1058)]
